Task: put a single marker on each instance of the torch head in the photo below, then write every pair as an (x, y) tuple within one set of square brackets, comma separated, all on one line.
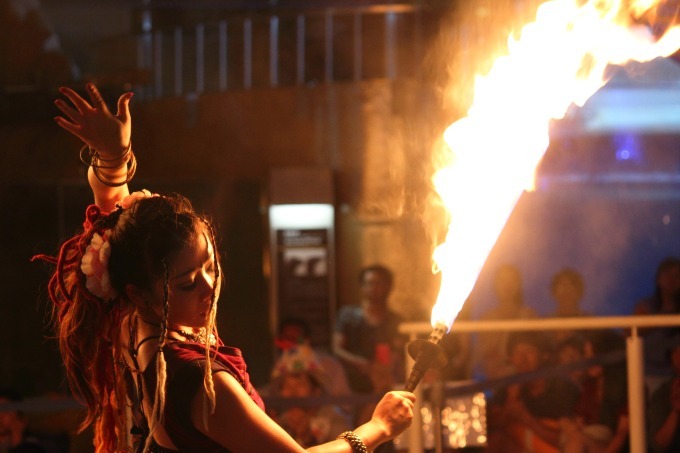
[(427, 354)]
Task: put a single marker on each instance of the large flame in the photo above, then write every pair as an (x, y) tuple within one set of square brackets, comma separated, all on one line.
[(557, 61)]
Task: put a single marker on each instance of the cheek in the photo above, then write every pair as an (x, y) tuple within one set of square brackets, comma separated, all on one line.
[(179, 306)]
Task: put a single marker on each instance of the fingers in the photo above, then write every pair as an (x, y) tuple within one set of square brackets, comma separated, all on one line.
[(79, 103), (70, 127), (96, 97), (67, 110), (123, 113)]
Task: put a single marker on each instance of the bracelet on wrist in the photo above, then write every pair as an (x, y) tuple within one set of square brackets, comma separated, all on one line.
[(115, 159), (95, 159), (358, 445)]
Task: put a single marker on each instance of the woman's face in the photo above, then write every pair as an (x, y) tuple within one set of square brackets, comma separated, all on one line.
[(192, 276)]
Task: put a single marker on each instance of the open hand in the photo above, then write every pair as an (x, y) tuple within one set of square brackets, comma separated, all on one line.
[(94, 124)]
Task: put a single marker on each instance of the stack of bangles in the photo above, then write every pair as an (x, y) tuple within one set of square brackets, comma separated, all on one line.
[(358, 445), (95, 161)]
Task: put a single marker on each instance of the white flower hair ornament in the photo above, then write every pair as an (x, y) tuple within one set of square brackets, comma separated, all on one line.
[(134, 197), (95, 266), (95, 261)]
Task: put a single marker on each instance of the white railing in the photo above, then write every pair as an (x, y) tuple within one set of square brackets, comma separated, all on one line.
[(634, 357)]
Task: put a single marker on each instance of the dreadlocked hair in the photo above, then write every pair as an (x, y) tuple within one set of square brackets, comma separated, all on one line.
[(143, 239), (88, 333), (210, 328), (161, 366)]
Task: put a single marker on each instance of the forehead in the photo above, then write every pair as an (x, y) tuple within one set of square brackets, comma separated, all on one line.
[(198, 250)]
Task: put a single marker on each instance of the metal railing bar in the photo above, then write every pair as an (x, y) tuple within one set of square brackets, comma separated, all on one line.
[(178, 43), (223, 53)]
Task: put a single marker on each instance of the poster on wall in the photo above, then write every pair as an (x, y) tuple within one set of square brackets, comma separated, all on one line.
[(303, 279)]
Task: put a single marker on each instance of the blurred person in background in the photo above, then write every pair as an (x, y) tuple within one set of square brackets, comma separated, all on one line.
[(366, 338), (490, 358), (567, 289), (600, 423), (296, 331), (664, 301), (526, 416), (13, 425), (664, 407), (299, 374)]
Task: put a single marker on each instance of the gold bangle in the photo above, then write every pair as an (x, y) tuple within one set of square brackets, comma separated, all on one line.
[(358, 445)]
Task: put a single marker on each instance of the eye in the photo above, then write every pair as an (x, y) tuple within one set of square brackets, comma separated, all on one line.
[(187, 286)]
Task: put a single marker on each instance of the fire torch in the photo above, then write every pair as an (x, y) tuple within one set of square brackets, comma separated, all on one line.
[(427, 354)]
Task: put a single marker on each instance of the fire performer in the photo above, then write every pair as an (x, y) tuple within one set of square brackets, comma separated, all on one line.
[(135, 296)]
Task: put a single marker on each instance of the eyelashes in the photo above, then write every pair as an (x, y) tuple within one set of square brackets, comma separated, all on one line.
[(210, 269)]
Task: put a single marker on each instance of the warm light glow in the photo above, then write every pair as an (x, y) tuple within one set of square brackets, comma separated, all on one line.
[(557, 61)]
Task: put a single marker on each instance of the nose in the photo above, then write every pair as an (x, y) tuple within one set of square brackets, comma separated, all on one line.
[(206, 280)]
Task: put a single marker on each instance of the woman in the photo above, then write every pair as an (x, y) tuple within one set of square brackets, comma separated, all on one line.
[(135, 297)]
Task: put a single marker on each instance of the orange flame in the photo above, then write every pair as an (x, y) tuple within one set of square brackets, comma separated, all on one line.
[(558, 60)]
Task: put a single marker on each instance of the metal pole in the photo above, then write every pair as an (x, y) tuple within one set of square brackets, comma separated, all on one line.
[(328, 38), (274, 51), (247, 53), (200, 58), (300, 49), (179, 43), (415, 432), (223, 54), (636, 391), (437, 400)]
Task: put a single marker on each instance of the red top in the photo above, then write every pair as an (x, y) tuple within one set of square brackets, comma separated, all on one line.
[(185, 362)]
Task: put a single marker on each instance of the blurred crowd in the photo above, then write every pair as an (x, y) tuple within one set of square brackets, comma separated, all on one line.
[(553, 391)]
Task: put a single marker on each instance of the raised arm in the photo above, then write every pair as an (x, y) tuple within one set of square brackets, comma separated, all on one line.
[(108, 138), (241, 426)]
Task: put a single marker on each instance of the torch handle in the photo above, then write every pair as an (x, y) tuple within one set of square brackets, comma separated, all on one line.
[(414, 378)]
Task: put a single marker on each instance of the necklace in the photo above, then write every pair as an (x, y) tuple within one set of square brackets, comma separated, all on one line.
[(199, 337)]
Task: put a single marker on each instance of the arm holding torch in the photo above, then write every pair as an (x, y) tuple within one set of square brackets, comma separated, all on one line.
[(427, 354)]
